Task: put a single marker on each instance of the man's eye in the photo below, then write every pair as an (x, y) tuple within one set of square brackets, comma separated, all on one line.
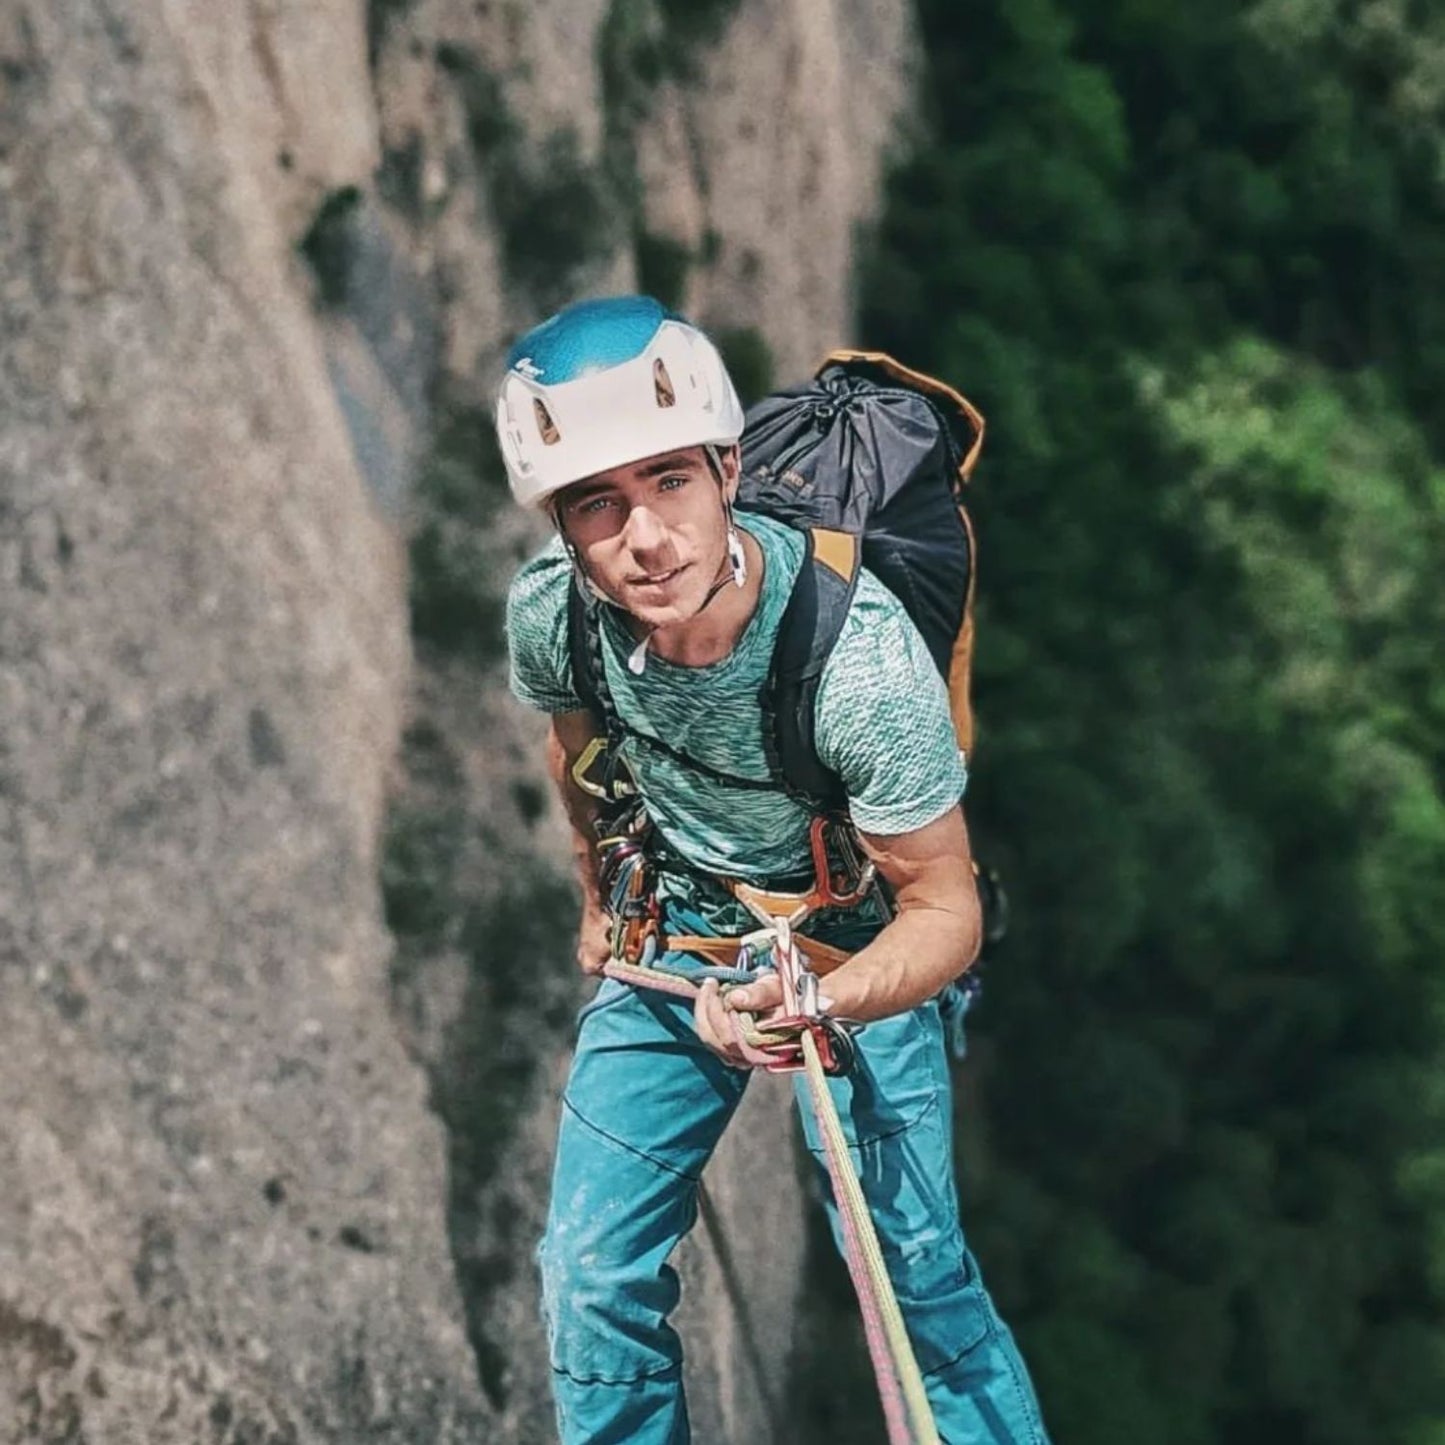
[(593, 505), (671, 484)]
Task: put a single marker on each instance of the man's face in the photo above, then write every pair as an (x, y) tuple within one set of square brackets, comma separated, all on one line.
[(652, 534)]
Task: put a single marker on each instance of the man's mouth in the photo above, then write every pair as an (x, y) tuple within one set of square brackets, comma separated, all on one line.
[(657, 579)]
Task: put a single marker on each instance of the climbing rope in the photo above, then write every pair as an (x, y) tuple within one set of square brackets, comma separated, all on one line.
[(900, 1382)]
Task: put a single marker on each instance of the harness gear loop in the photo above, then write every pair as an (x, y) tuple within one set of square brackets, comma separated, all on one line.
[(832, 888)]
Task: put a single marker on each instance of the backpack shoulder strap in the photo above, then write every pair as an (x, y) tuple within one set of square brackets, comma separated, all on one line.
[(583, 647), (809, 629), (583, 655)]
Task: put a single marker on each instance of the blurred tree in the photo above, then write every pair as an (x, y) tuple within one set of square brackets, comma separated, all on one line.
[(1187, 263)]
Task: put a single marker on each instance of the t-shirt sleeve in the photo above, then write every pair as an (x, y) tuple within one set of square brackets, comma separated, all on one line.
[(883, 722), (540, 672)]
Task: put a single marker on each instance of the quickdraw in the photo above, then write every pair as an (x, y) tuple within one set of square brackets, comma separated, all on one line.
[(624, 875)]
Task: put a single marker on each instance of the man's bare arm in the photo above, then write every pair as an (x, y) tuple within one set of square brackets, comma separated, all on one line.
[(937, 931), (567, 739)]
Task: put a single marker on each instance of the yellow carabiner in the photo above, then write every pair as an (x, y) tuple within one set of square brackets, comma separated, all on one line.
[(620, 785), (583, 765)]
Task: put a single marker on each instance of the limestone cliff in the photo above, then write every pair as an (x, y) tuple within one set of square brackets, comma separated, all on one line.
[(283, 971)]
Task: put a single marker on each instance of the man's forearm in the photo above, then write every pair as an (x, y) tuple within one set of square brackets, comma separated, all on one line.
[(936, 933), (915, 956)]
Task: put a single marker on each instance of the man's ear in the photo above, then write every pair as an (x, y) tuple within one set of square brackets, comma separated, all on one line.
[(731, 459)]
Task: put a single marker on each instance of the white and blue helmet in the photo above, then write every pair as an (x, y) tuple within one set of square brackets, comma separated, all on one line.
[(605, 383)]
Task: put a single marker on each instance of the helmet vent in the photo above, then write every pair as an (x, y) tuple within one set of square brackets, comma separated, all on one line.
[(662, 385), (545, 425)]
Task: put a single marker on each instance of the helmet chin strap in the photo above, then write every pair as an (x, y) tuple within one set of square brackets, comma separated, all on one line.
[(736, 563)]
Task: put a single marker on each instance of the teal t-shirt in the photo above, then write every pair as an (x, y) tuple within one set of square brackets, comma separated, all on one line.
[(882, 716)]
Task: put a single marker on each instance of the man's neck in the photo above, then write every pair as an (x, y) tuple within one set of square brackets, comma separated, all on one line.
[(714, 632)]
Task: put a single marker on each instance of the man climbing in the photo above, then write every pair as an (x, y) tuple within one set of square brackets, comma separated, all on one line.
[(619, 420)]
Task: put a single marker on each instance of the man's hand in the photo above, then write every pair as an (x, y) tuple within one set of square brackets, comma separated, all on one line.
[(715, 1012), (594, 939)]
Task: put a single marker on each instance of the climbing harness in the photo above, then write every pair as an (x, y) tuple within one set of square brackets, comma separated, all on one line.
[(629, 851)]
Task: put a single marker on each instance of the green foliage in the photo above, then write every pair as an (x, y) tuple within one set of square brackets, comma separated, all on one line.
[(512, 933), (1185, 263), (692, 24), (555, 218), (456, 597), (662, 267), (630, 58), (329, 245), (530, 800), (452, 890), (399, 179), (551, 207), (379, 17), (641, 45), (520, 990), (421, 848), (491, 126)]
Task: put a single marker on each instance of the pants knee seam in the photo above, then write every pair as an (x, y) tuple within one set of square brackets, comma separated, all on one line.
[(952, 1360), (623, 1145), (930, 1107)]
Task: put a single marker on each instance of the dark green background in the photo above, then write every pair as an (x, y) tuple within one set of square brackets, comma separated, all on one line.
[(1190, 262)]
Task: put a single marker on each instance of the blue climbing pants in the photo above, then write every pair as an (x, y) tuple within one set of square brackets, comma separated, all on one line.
[(643, 1109)]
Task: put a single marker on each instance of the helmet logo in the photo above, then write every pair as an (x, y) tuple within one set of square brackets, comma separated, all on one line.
[(545, 425), (662, 385), (528, 368)]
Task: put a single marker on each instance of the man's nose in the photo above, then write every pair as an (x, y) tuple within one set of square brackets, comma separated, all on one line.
[(644, 531)]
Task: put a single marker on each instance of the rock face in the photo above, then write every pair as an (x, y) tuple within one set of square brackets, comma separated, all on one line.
[(285, 1009)]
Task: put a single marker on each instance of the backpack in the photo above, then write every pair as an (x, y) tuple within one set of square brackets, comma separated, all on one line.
[(869, 460)]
